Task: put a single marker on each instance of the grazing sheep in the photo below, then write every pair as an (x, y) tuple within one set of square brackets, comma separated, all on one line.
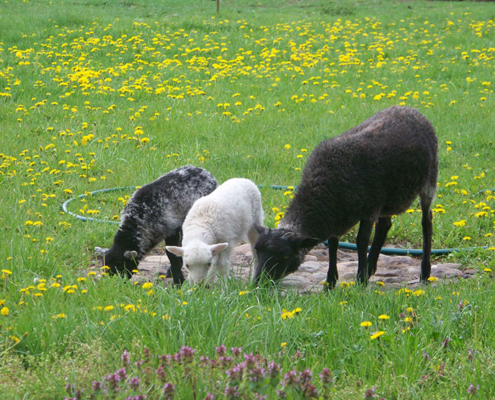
[(365, 175), (155, 212), (215, 225)]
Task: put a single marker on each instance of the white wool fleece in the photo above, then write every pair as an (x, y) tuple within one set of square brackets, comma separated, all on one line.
[(217, 223)]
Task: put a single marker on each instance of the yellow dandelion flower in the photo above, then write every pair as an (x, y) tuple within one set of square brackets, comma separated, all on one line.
[(365, 324), (377, 335), (383, 316)]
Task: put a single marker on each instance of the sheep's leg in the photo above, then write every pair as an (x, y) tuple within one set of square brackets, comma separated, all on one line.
[(333, 274), (253, 236), (362, 241), (427, 225), (175, 270), (381, 230)]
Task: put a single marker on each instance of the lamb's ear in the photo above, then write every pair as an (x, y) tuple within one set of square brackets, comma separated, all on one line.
[(100, 250), (130, 254), (260, 228), (178, 251), (217, 248), (303, 242)]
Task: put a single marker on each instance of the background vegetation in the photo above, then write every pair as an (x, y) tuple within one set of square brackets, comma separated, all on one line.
[(102, 94)]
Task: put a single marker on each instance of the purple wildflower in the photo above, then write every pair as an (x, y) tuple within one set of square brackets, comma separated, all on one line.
[(209, 396), (96, 386), (445, 342), (187, 354), (225, 362), (306, 376), (273, 370), (236, 351), (309, 391), (326, 376), (473, 389), (221, 350), (160, 372), (250, 360), (112, 381), (441, 370), (168, 391), (134, 382), (213, 363), (370, 393), (231, 392), (166, 359), (235, 374), (291, 378), (147, 354), (122, 374), (125, 358), (426, 356), (256, 374)]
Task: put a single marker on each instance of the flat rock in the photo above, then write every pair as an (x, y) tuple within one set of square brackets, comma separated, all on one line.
[(295, 281), (394, 271), (310, 266), (447, 265)]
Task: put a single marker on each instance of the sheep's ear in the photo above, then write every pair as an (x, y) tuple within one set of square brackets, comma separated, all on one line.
[(217, 248), (260, 228), (178, 251), (100, 250), (130, 254), (304, 242)]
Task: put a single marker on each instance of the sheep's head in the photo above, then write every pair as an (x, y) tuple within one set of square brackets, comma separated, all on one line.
[(119, 262), (198, 258), (279, 253)]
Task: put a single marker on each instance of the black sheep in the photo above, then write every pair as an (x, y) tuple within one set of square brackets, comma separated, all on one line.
[(155, 212), (365, 175)]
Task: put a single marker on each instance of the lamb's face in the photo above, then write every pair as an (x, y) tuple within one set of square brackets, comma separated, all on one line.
[(198, 258), (198, 261), (279, 253)]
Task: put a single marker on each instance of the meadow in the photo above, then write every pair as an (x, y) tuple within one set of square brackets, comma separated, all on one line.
[(106, 94)]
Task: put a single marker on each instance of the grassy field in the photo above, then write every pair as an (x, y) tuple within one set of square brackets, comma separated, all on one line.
[(102, 94)]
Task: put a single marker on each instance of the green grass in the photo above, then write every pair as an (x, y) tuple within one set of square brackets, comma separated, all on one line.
[(103, 94)]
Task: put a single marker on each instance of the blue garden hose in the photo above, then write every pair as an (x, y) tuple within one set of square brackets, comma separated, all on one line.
[(342, 245), (80, 217)]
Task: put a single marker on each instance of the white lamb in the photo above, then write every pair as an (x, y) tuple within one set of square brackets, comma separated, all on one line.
[(215, 224)]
